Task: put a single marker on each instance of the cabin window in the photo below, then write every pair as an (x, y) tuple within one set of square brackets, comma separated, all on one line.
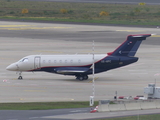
[(65, 61), (44, 61), (79, 61), (60, 61), (71, 61), (49, 61), (55, 61)]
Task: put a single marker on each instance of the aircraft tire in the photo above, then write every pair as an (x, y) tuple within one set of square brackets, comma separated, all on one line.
[(20, 78), (85, 77), (81, 78)]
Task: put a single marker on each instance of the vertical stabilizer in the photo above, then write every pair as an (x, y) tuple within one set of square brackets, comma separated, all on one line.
[(130, 46)]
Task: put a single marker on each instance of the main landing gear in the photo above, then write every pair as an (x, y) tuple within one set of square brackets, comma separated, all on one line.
[(81, 77), (20, 76)]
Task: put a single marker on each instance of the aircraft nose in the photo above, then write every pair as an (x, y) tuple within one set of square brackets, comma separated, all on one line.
[(12, 67)]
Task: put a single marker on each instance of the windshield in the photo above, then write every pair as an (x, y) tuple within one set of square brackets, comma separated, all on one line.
[(24, 60)]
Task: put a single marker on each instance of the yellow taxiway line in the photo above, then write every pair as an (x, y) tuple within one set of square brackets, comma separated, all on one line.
[(28, 27), (94, 79)]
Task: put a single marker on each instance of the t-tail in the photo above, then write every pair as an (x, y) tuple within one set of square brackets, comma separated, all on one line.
[(130, 46)]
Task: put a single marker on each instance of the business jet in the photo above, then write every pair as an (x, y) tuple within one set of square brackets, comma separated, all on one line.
[(81, 65)]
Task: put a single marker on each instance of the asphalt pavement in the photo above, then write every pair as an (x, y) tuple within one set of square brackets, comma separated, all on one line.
[(19, 39)]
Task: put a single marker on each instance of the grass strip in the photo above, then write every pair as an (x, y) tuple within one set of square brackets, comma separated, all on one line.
[(120, 14), (43, 105), (62, 105)]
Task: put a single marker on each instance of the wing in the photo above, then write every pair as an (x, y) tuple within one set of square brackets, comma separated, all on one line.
[(71, 70)]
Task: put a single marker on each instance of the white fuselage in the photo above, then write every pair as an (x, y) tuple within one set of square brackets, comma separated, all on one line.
[(33, 62)]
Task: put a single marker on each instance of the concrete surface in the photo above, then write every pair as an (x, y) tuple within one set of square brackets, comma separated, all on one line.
[(19, 39)]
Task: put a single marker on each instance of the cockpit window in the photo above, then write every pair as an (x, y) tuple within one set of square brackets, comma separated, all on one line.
[(24, 60)]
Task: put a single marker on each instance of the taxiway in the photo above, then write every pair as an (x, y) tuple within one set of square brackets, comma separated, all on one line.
[(19, 39)]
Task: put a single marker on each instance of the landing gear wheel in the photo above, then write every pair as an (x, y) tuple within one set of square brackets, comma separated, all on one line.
[(20, 78), (81, 77), (85, 77)]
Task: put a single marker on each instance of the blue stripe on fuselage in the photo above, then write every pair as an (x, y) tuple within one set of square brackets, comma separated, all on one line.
[(105, 64)]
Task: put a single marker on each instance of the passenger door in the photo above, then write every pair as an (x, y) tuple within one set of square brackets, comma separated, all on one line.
[(37, 62)]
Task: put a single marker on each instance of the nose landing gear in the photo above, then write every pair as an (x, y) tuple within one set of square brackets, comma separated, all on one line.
[(20, 76)]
